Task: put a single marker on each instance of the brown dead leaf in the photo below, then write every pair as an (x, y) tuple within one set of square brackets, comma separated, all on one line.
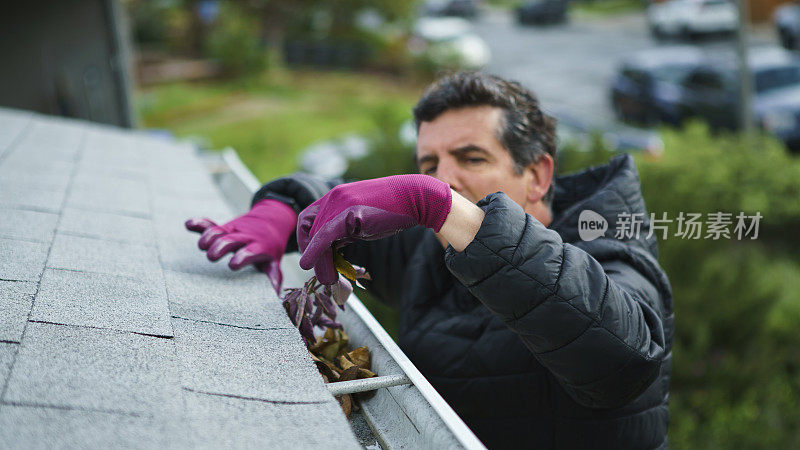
[(331, 351), (328, 369), (325, 341), (364, 373), (349, 374), (330, 345), (346, 402), (360, 357), (345, 363)]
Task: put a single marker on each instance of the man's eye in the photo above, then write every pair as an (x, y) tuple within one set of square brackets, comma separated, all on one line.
[(429, 170), (475, 160)]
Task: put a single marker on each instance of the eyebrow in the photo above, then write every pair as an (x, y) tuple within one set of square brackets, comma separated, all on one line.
[(460, 151)]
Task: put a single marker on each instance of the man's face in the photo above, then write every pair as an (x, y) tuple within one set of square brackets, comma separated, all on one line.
[(460, 147)]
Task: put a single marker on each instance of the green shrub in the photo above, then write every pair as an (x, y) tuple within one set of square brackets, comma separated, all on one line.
[(162, 26), (235, 42), (574, 155), (148, 22), (737, 302), (388, 153)]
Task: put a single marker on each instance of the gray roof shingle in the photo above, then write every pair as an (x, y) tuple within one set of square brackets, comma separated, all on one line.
[(108, 226), (31, 195), (35, 427), (27, 225), (103, 256), (211, 422), (14, 123), (116, 330), (22, 260), (88, 368), (223, 422), (16, 298), (234, 300), (267, 365), (103, 301), (53, 174), (98, 197), (8, 351)]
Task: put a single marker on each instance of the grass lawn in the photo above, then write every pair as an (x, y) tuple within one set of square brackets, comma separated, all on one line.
[(606, 7), (271, 118)]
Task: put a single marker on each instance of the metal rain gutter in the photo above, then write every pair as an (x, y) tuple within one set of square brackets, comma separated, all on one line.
[(400, 405)]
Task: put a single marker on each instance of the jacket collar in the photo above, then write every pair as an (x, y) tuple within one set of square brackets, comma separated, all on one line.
[(613, 191)]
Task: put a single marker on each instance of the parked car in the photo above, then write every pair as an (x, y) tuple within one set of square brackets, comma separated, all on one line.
[(450, 42), (542, 12), (787, 23), (645, 87), (457, 8), (690, 18), (710, 91)]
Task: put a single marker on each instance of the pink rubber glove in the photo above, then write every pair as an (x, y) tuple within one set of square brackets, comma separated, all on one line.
[(368, 210), (258, 237)]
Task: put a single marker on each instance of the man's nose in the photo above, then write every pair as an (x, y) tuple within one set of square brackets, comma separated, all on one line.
[(449, 174)]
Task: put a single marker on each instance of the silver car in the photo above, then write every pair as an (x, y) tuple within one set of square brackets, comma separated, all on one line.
[(689, 18)]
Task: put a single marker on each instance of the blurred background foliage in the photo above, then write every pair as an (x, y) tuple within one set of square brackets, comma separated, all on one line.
[(737, 302), (388, 153), (240, 34), (735, 376), (230, 42), (271, 118)]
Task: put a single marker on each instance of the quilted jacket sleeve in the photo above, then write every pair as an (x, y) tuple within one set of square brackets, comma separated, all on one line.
[(596, 327)]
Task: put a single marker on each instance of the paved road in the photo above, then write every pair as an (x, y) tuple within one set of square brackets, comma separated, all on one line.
[(569, 67)]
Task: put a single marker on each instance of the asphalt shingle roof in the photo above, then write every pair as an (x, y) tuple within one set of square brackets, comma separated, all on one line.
[(114, 329)]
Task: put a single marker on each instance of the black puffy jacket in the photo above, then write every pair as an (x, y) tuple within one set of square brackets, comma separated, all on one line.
[(536, 338)]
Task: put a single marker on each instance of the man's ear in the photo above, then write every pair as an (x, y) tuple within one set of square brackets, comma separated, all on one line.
[(542, 177)]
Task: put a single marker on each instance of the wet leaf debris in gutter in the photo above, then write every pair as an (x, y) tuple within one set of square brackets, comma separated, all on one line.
[(336, 364), (116, 331), (313, 306)]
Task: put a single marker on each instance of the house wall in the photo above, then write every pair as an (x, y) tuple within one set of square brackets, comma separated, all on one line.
[(761, 10), (65, 57)]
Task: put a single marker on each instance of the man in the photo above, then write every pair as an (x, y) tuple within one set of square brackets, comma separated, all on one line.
[(536, 337)]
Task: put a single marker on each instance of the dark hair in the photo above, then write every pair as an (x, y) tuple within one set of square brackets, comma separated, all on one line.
[(526, 132)]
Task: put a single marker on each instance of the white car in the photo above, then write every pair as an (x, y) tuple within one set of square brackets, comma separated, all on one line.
[(687, 18), (787, 22), (449, 41)]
